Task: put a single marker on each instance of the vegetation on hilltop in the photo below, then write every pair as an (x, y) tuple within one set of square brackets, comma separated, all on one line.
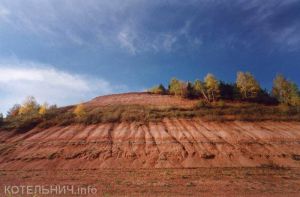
[(217, 100), (246, 88)]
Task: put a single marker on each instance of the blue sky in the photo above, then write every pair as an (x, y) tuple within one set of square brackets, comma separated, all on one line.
[(67, 51)]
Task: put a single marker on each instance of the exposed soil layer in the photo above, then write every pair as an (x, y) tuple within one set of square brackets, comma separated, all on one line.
[(141, 98), (169, 157), (171, 143), (164, 182)]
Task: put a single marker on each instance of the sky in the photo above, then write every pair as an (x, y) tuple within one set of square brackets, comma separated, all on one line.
[(68, 51)]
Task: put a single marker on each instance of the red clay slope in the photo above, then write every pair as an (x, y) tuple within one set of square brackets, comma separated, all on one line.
[(174, 143), (141, 98)]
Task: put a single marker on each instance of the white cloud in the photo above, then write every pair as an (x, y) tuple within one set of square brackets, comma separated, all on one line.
[(128, 24), (105, 23), (47, 84)]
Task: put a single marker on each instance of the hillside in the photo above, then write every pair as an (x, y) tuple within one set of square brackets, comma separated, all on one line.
[(167, 142), (171, 143), (140, 98)]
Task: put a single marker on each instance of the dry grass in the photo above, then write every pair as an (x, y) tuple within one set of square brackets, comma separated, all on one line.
[(219, 111)]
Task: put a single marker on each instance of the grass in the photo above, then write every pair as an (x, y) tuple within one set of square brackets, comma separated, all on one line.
[(219, 111)]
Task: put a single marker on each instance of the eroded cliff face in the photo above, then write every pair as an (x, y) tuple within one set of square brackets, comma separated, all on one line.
[(174, 143)]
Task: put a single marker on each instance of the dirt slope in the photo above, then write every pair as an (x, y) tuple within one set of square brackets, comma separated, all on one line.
[(141, 98), (171, 143)]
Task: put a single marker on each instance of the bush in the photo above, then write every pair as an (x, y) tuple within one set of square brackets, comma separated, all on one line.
[(220, 104), (284, 108), (112, 116), (22, 123), (201, 104), (93, 117), (79, 111)]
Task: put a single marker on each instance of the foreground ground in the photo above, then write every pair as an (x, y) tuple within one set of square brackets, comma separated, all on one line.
[(167, 182)]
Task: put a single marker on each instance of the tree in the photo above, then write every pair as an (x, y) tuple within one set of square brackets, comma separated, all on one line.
[(187, 90), (247, 85), (177, 87), (228, 91), (285, 91), (79, 111), (30, 106), (158, 89), (14, 111), (212, 87), (200, 89), (43, 109)]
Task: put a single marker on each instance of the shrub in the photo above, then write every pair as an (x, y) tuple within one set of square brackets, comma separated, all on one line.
[(22, 123), (112, 115), (93, 117), (284, 108), (66, 118), (220, 104), (79, 111), (201, 104)]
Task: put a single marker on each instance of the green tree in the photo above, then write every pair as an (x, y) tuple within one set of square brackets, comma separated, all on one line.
[(285, 91), (247, 85)]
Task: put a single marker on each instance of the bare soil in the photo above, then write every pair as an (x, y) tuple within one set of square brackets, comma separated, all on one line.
[(141, 98), (166, 182), (171, 143), (171, 157)]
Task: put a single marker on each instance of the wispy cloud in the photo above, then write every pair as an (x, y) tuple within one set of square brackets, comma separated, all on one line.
[(150, 26), (126, 39), (21, 79)]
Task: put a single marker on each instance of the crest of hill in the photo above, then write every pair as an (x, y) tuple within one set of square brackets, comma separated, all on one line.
[(140, 98)]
